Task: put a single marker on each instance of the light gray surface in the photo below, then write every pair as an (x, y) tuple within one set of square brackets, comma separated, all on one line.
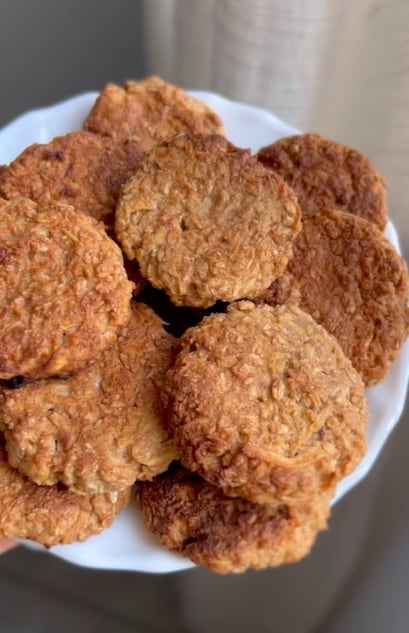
[(52, 49), (356, 579)]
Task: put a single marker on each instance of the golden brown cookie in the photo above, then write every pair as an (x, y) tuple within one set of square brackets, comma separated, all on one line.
[(206, 221), (51, 515), (101, 429), (63, 288), (80, 169), (263, 403), (324, 173), (150, 111), (348, 276), (194, 518)]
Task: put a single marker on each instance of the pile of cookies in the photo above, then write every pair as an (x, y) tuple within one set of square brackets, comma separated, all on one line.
[(237, 430)]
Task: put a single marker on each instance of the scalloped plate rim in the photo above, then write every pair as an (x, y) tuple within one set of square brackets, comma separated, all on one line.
[(42, 123)]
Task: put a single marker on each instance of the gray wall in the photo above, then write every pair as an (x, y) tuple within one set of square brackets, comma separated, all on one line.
[(52, 49)]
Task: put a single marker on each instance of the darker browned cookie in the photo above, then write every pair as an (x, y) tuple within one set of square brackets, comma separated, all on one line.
[(227, 535), (206, 221), (324, 173), (150, 111), (63, 288), (103, 428), (263, 403), (51, 515), (80, 169), (348, 276)]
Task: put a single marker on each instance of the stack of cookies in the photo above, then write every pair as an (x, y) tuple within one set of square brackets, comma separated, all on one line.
[(238, 430)]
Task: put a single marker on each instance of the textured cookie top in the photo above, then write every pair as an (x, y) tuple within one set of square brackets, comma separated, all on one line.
[(324, 173), (80, 169), (101, 429), (150, 111), (264, 404), (63, 289), (227, 535), (51, 515), (206, 221), (348, 276)]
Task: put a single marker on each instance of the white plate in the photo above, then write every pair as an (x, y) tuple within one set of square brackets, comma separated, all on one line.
[(127, 544)]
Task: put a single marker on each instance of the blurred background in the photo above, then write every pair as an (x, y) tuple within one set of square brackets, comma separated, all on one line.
[(338, 67)]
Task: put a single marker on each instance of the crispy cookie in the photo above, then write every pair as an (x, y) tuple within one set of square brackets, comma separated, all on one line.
[(101, 429), (227, 535), (206, 221), (263, 403), (51, 515), (150, 111), (63, 289), (80, 169), (326, 174), (348, 276)]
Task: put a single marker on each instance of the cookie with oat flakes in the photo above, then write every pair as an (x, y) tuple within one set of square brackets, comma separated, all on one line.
[(51, 515), (263, 403), (148, 112), (63, 288), (81, 169), (206, 221), (349, 277), (102, 428), (324, 174), (195, 519)]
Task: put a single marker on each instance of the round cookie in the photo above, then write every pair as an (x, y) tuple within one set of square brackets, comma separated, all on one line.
[(263, 403), (194, 518), (101, 429), (150, 111), (324, 173), (206, 221), (80, 169), (51, 515), (348, 276), (63, 289)]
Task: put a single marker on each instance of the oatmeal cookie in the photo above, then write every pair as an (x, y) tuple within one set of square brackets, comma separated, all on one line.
[(194, 518), (63, 289), (51, 515), (206, 221), (348, 276), (264, 404), (150, 111), (80, 169), (324, 173), (101, 429)]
